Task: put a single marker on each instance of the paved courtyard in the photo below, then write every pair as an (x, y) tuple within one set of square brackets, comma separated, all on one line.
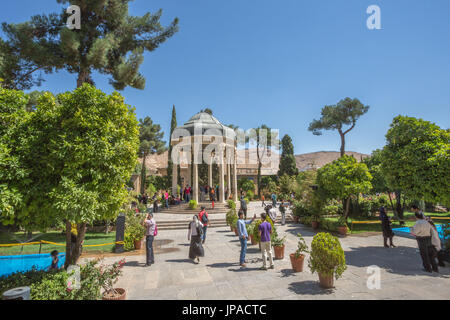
[(219, 276)]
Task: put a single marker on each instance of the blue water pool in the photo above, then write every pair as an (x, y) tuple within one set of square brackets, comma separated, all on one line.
[(406, 232), (11, 264)]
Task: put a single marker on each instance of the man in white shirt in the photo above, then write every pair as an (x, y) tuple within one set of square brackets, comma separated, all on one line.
[(423, 231)]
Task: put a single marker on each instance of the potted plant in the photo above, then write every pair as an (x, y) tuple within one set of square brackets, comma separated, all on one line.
[(297, 258), (315, 219), (134, 230), (231, 218), (327, 258), (342, 226), (250, 231), (278, 245), (109, 275)]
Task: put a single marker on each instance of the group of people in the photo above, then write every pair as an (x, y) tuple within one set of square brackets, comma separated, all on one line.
[(426, 234)]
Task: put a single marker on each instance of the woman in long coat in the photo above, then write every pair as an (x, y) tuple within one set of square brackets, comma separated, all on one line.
[(386, 227), (195, 236)]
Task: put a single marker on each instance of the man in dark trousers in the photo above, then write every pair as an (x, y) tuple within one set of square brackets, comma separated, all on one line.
[(422, 231)]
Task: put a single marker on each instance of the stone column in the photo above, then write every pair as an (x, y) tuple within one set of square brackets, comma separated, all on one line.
[(235, 190), (174, 179), (221, 181), (210, 180), (195, 183), (228, 180)]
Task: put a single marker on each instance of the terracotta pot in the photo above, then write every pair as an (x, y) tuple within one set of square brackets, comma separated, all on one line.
[(326, 281), (343, 230), (279, 252), (121, 295), (253, 240), (296, 219), (231, 228), (315, 224), (236, 232), (297, 264), (138, 244)]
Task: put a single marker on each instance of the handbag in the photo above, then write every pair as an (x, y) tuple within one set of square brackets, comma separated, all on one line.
[(156, 231)]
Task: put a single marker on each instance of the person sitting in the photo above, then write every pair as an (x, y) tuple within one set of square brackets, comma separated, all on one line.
[(55, 260)]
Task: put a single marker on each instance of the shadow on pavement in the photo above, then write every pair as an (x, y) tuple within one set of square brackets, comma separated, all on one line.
[(308, 287), (287, 273), (400, 260)]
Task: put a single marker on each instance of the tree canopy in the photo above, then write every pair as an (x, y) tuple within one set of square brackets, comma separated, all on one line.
[(344, 177), (287, 161), (110, 41), (336, 117), (416, 159)]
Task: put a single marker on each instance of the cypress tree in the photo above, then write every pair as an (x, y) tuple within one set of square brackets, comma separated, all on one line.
[(287, 162), (173, 125)]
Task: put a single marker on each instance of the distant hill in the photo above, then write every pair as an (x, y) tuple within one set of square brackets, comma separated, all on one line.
[(319, 159)]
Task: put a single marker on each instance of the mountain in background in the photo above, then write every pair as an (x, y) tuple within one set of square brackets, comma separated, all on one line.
[(318, 159)]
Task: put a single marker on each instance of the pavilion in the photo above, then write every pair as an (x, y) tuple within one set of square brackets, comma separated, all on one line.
[(203, 139)]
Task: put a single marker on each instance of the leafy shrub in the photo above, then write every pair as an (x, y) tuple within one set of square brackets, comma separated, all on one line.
[(331, 210), (277, 241), (246, 185), (231, 204), (193, 204), (327, 256), (302, 247), (134, 230), (250, 196), (256, 229), (301, 209), (55, 284), (329, 224), (231, 217)]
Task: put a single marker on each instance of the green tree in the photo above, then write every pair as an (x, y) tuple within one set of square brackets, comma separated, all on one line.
[(262, 138), (110, 41), (287, 185), (343, 178), (287, 161), (81, 149), (246, 185), (16, 72), (150, 137), (416, 159), (208, 111), (335, 117), (12, 172), (173, 125)]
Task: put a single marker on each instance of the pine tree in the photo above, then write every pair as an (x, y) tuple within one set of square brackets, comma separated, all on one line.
[(287, 162), (110, 41), (150, 137), (173, 125), (345, 113)]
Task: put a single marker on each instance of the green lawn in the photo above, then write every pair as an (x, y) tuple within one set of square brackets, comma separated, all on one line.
[(409, 221), (53, 236)]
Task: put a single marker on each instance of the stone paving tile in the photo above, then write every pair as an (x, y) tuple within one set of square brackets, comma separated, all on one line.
[(218, 276)]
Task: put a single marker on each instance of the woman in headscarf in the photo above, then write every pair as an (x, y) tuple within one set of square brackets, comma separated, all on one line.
[(386, 227), (195, 236)]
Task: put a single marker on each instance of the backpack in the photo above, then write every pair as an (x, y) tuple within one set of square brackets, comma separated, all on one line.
[(205, 219)]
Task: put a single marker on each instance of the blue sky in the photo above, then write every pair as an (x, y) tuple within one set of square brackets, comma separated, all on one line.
[(278, 62)]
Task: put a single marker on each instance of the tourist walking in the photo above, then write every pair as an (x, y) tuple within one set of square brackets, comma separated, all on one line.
[(151, 232), (283, 208), (204, 220), (195, 232), (166, 198), (244, 206), (386, 227), (265, 230), (212, 196), (271, 212), (263, 199), (422, 230), (187, 191), (274, 200), (202, 193), (243, 236)]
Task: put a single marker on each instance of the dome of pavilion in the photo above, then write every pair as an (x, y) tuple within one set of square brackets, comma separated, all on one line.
[(205, 121)]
